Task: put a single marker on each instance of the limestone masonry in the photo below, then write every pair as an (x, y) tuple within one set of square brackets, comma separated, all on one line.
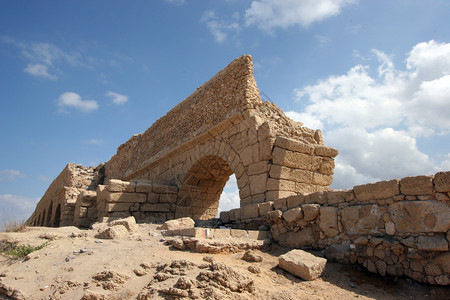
[(180, 165)]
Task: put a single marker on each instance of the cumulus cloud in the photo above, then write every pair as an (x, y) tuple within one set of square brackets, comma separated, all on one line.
[(10, 174), (270, 14), (73, 100), (117, 98), (376, 120), (219, 28), (229, 198)]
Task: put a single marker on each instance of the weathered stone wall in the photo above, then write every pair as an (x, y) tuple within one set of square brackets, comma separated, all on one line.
[(396, 227), (57, 206)]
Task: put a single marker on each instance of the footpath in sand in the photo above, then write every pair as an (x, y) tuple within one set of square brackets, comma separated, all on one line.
[(143, 264)]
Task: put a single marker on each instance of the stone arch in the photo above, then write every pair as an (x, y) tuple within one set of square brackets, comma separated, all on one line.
[(202, 186), (57, 218), (49, 215)]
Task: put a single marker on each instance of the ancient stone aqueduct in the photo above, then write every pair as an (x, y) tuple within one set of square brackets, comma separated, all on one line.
[(180, 165)]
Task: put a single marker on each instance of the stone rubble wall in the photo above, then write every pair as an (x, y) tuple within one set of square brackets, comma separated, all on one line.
[(57, 206), (395, 227)]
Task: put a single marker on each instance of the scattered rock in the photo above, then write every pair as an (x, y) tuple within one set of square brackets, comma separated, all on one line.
[(90, 295), (115, 232), (140, 272), (254, 269), (221, 275), (178, 224), (302, 264), (110, 280), (129, 223), (251, 256)]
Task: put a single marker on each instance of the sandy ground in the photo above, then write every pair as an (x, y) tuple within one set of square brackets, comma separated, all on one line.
[(141, 266)]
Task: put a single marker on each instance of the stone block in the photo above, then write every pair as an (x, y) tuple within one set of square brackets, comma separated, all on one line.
[(420, 216), (293, 214), (432, 243), (258, 183), (258, 168), (246, 155), (310, 211), (295, 201), (157, 207), (316, 197), (259, 198), (417, 185), (265, 207), (326, 165), (442, 182), (127, 197), (235, 214), (364, 219), (328, 221), (321, 179), (280, 184), (238, 233), (325, 151), (249, 211), (225, 216), (293, 145), (339, 196), (301, 238), (296, 160), (302, 264), (221, 233), (178, 224), (116, 185), (378, 190), (167, 198), (118, 206), (129, 223), (144, 187), (280, 204)]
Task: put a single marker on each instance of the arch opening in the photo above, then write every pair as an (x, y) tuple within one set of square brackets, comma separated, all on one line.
[(202, 187), (56, 219), (49, 215)]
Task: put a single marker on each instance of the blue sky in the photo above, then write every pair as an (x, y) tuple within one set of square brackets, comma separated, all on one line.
[(79, 78)]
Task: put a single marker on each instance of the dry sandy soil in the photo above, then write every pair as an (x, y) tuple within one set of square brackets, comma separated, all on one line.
[(77, 265)]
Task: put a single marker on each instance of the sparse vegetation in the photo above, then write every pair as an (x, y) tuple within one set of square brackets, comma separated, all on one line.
[(19, 251), (11, 224)]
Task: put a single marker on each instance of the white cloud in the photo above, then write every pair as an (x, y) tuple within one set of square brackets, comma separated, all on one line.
[(10, 174), (376, 120), (270, 14), (176, 2), (39, 70), (229, 198), (93, 142), (15, 208), (218, 28), (117, 98), (73, 100), (45, 59)]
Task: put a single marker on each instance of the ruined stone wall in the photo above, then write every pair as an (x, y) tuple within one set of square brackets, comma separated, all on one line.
[(396, 227), (57, 206), (231, 90)]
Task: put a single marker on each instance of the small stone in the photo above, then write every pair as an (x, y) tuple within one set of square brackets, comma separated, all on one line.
[(251, 256), (254, 269), (139, 272)]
